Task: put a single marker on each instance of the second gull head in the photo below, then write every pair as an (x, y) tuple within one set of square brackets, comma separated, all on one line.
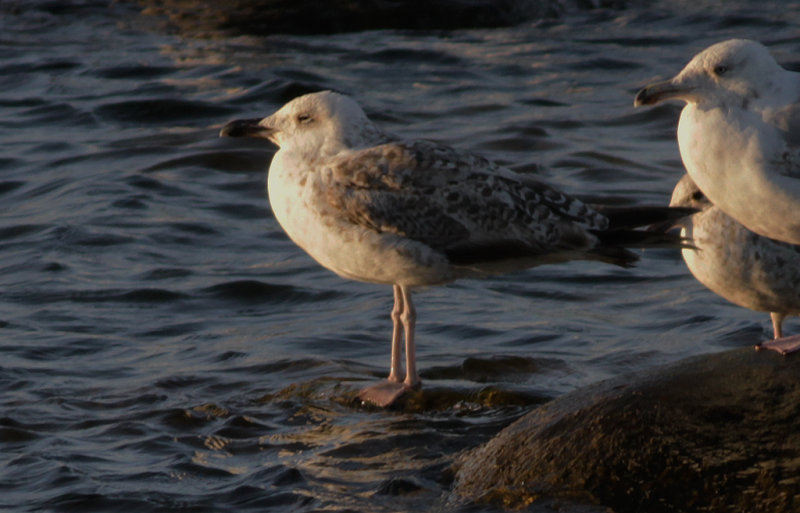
[(735, 72)]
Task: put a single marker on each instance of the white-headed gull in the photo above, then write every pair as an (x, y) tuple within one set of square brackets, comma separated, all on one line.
[(739, 134)]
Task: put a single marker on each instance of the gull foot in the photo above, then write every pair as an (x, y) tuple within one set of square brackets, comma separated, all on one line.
[(383, 394), (784, 345)]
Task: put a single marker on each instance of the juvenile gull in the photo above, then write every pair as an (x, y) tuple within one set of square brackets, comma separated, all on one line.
[(747, 269), (376, 208), (739, 134)]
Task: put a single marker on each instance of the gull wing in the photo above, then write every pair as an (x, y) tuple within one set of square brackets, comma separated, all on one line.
[(456, 203)]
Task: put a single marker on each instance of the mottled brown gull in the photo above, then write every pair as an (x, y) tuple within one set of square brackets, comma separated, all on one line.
[(745, 268), (739, 134), (377, 208)]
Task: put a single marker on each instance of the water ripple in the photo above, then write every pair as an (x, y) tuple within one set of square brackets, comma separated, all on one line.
[(159, 110)]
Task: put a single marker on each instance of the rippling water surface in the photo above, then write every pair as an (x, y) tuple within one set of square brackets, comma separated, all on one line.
[(164, 347)]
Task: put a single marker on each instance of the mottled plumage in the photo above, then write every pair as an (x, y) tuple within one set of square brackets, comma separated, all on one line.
[(455, 202)]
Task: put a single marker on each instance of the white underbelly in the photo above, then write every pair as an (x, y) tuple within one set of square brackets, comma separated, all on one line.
[(348, 249)]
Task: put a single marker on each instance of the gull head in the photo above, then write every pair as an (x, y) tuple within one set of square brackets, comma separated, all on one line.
[(317, 124), (731, 73), (687, 194)]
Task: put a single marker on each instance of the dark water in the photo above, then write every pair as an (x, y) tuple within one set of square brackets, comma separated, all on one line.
[(166, 348)]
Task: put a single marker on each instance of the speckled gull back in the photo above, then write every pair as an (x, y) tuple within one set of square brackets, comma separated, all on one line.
[(445, 198)]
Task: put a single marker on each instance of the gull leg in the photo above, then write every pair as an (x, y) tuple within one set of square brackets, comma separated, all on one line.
[(781, 344), (385, 393), (777, 323), (396, 369), (409, 319)]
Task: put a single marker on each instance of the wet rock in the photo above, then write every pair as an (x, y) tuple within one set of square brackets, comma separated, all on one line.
[(265, 17), (713, 433)]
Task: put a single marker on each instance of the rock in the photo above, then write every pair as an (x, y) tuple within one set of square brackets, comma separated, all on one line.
[(208, 18), (713, 433)]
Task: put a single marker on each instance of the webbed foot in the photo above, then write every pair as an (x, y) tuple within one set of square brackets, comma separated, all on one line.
[(783, 345), (383, 394)]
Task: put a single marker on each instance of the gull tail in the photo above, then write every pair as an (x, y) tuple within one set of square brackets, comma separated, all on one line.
[(638, 217), (622, 232)]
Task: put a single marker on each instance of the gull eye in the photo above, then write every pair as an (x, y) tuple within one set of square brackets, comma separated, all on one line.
[(721, 70)]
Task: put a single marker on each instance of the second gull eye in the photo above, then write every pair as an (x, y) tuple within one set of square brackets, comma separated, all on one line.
[(720, 70)]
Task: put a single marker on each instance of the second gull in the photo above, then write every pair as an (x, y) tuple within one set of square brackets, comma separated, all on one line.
[(746, 269)]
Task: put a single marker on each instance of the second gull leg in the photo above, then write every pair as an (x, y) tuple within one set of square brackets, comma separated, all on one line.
[(781, 344)]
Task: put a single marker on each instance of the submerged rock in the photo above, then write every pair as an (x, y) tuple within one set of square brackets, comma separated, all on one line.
[(264, 17), (713, 433)]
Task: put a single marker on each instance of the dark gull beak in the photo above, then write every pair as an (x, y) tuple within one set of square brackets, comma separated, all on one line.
[(674, 225), (659, 92), (246, 128)]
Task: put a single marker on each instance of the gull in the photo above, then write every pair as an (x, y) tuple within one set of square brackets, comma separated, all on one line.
[(745, 268), (376, 208), (739, 134)]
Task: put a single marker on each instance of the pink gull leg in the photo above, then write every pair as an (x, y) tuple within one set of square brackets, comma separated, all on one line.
[(385, 393), (409, 319)]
